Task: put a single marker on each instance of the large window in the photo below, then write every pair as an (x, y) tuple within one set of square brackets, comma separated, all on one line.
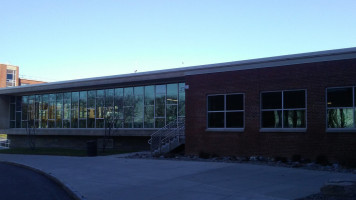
[(341, 107), (152, 106), (283, 109), (226, 111)]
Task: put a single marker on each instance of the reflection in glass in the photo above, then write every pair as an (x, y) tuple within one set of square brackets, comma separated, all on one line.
[(294, 118), (59, 110), (138, 107), (181, 100), (149, 117), (172, 93), (149, 95), (128, 113), (340, 118)]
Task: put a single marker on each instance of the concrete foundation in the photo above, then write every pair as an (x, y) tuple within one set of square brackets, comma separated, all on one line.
[(124, 143)]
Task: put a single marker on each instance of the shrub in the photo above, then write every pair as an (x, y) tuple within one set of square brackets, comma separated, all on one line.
[(296, 158), (281, 159), (322, 160), (204, 155)]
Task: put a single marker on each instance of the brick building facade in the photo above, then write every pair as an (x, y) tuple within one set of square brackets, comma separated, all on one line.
[(313, 140), (9, 76), (303, 104)]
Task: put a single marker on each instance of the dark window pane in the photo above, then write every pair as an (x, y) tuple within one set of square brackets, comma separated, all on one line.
[(172, 93), (340, 118), (160, 89), (91, 123), (18, 119), (294, 119), (128, 115), (66, 124), (12, 124), (9, 76), (18, 103), (99, 123), (109, 97), (119, 123), (91, 99), (100, 108), (58, 123), (149, 95), (216, 103), (272, 119), (234, 102), (51, 110), (181, 100), (171, 113), (160, 122), (128, 97), (51, 124), (12, 111), (340, 97), (216, 120), (234, 120), (149, 117), (100, 94), (294, 99), (272, 100)]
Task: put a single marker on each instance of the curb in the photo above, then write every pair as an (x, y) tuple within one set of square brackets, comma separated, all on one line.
[(52, 178)]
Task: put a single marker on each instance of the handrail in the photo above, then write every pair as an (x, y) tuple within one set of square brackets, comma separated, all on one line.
[(165, 135)]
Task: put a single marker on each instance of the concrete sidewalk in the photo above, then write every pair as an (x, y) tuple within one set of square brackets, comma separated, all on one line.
[(111, 177)]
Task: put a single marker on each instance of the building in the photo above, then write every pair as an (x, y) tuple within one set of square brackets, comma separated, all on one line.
[(23, 82), (302, 104), (9, 76)]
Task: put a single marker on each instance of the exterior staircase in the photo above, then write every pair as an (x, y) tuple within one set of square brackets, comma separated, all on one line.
[(168, 138)]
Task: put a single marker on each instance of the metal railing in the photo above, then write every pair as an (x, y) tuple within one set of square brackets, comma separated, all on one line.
[(168, 137)]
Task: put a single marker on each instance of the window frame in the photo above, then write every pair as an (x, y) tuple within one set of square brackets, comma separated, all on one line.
[(353, 129), (282, 109), (225, 111)]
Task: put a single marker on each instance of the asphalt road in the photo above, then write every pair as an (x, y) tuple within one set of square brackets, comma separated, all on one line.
[(21, 183)]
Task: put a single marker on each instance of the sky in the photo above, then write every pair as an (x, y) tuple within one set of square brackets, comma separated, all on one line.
[(64, 40)]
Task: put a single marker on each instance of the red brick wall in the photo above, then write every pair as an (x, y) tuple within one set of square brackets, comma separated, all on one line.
[(2, 75), (29, 82), (315, 77)]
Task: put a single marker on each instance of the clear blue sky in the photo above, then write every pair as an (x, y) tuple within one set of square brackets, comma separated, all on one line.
[(66, 39)]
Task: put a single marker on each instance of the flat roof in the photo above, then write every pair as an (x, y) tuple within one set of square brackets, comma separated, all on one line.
[(180, 73)]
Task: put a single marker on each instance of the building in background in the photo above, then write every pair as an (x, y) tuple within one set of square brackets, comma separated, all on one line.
[(9, 77), (23, 82)]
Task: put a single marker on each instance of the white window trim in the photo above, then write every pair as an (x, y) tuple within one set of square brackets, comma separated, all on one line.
[(333, 130), (284, 129), (225, 111)]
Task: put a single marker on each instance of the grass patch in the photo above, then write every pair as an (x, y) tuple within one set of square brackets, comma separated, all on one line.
[(58, 151)]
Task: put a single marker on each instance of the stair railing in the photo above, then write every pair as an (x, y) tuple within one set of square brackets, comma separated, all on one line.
[(165, 135)]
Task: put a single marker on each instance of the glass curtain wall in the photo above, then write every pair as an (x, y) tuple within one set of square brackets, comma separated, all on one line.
[(151, 106)]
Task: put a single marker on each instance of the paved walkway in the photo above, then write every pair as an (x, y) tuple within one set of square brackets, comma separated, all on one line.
[(111, 177)]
